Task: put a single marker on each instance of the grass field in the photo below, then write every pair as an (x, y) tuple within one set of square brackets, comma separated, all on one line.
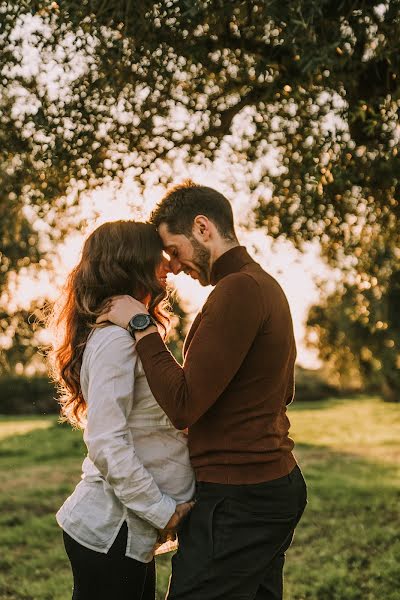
[(347, 546)]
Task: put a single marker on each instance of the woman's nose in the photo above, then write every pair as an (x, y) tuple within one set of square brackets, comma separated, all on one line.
[(166, 265)]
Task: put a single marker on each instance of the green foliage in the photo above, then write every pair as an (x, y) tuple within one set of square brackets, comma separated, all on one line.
[(316, 82), (312, 86), (358, 334), (313, 386), (21, 395), (346, 545), (20, 342)]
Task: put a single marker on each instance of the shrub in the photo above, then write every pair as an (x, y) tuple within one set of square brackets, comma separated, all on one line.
[(312, 386), (22, 395)]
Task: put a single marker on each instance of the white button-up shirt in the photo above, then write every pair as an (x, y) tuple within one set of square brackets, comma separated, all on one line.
[(137, 467)]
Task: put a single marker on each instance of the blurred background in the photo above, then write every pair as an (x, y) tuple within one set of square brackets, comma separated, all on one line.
[(291, 109)]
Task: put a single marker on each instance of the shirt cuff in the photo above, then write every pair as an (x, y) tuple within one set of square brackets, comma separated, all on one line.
[(161, 512)]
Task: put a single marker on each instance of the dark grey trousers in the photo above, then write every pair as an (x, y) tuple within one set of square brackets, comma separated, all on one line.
[(232, 544)]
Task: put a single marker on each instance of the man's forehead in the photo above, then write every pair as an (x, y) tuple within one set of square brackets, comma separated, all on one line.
[(169, 243), (164, 232), (169, 239)]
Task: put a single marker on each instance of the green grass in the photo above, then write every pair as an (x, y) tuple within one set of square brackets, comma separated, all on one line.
[(347, 546)]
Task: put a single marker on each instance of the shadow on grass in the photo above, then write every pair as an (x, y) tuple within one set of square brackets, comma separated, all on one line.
[(345, 471)]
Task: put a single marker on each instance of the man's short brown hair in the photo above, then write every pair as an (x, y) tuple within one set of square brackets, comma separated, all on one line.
[(181, 204)]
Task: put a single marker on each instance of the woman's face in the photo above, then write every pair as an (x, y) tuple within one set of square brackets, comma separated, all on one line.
[(162, 270)]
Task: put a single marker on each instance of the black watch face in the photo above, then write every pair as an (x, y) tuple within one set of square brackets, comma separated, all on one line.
[(140, 321)]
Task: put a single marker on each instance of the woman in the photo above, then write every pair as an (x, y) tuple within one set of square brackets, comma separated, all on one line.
[(136, 477)]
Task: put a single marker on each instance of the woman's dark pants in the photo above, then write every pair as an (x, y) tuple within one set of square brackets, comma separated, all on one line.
[(111, 576), (232, 545)]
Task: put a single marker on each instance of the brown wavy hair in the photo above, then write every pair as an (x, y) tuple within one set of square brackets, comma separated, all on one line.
[(120, 257)]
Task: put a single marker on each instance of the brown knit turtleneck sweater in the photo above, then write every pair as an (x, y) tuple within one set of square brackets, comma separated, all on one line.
[(237, 377)]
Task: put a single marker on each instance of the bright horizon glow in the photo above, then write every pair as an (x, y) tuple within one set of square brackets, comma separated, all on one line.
[(294, 271)]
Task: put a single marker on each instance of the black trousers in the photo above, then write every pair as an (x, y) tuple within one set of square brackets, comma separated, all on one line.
[(111, 576), (232, 544)]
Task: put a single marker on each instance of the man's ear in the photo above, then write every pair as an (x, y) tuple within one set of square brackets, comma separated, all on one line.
[(202, 227)]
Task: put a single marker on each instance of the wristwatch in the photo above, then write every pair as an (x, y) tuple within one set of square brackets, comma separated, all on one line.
[(140, 322)]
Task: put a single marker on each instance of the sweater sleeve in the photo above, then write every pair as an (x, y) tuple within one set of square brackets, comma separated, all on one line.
[(230, 320)]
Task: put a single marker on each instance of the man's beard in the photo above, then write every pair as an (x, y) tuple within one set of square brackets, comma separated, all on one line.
[(201, 259)]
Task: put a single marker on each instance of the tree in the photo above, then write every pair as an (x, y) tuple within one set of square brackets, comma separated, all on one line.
[(135, 83), (22, 345), (358, 335), (314, 85)]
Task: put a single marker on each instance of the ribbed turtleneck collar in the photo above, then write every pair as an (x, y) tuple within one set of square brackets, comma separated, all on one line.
[(229, 262)]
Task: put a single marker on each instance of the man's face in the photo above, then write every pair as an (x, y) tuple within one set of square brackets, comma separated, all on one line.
[(187, 255)]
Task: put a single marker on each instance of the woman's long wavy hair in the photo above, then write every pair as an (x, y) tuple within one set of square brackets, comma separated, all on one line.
[(120, 257)]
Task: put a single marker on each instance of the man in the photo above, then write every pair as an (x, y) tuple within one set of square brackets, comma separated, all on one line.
[(231, 393)]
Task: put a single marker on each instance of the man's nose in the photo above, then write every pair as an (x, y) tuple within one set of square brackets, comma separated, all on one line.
[(175, 266)]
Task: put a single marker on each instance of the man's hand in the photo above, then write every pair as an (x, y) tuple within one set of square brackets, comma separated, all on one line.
[(121, 309), (169, 531)]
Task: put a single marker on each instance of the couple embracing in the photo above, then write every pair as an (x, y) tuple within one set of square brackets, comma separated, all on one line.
[(201, 451)]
